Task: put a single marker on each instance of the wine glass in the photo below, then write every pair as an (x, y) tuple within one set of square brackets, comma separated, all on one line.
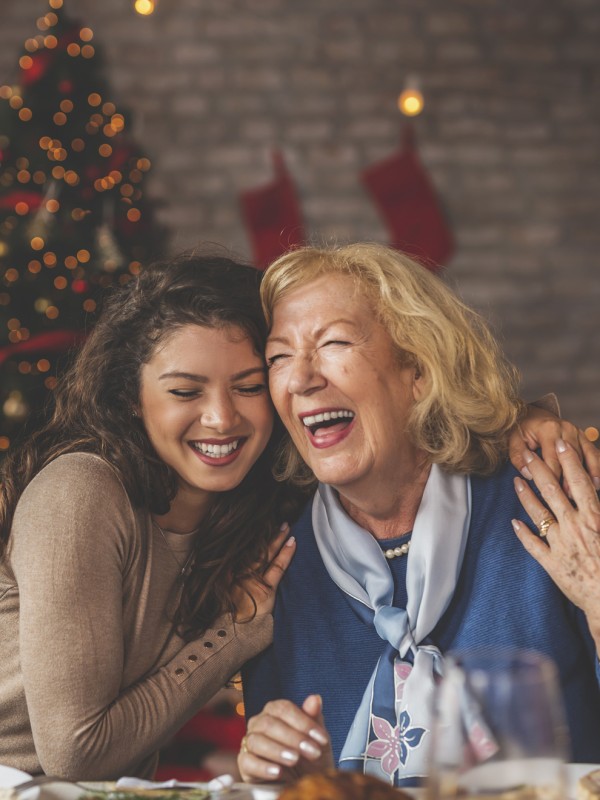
[(498, 728)]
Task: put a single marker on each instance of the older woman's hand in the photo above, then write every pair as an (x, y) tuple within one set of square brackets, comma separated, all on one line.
[(284, 742), (568, 546), (542, 429)]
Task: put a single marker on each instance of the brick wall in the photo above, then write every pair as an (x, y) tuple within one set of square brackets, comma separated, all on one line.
[(510, 134)]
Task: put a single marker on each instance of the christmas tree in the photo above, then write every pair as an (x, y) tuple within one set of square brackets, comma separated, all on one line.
[(74, 218)]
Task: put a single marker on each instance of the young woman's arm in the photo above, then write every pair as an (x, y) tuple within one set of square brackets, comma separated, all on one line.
[(99, 706)]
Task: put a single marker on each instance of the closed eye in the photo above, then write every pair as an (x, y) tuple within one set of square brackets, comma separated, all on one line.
[(254, 389), (335, 341), (184, 393), (271, 360)]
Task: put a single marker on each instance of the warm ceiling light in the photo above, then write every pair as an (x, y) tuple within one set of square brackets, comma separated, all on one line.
[(410, 101), (145, 7)]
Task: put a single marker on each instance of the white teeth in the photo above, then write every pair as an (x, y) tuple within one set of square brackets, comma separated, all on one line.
[(326, 415), (216, 450)]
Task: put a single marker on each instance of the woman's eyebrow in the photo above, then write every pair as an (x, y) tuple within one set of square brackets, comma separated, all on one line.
[(319, 332), (191, 376), (280, 339), (247, 372)]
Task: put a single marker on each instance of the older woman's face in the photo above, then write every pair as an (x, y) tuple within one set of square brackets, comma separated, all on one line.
[(337, 384)]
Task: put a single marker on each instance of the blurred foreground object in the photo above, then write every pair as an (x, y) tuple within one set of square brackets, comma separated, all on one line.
[(337, 785)]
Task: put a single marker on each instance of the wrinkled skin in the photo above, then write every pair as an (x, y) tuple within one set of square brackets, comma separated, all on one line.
[(570, 553)]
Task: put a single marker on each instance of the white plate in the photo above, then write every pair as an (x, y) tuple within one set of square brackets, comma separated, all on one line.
[(574, 772), (9, 776)]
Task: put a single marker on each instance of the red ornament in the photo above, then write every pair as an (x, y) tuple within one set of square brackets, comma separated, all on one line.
[(92, 172), (33, 199), (52, 342), (121, 154), (79, 286), (40, 63)]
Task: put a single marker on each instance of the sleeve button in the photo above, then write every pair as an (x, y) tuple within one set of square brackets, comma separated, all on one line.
[(179, 671), (208, 644), (221, 633), (193, 657)]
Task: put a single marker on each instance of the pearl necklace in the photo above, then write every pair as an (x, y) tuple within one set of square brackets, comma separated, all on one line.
[(185, 568), (394, 552)]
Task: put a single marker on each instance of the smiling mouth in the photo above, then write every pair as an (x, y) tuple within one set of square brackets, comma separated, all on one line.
[(216, 451), (328, 421)]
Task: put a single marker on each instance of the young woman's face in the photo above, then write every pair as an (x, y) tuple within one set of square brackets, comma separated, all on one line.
[(205, 404)]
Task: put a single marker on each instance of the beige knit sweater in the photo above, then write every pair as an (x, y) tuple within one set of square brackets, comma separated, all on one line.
[(93, 681)]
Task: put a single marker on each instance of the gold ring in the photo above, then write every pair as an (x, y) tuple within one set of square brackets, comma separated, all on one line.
[(544, 525), (244, 745)]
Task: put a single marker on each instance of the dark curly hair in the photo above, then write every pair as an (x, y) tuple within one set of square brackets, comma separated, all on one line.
[(93, 414)]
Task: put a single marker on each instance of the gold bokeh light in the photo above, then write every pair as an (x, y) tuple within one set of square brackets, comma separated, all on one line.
[(145, 7), (410, 102)]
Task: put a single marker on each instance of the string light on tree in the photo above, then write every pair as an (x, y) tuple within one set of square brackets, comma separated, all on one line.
[(410, 100), (592, 434), (15, 407)]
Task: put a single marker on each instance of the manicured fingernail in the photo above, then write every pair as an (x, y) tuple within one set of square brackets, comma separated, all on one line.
[(310, 750), (526, 473), (596, 482), (318, 736), (519, 485), (561, 447), (284, 526), (287, 755), (273, 771), (528, 456), (516, 525), (290, 541)]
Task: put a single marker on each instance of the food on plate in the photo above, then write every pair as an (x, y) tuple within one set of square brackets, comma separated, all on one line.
[(340, 785), (161, 793), (588, 787)]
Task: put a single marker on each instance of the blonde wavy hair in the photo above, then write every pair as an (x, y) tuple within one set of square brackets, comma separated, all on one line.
[(470, 400)]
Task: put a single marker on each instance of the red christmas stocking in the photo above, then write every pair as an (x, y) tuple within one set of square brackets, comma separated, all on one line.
[(272, 216), (408, 204)]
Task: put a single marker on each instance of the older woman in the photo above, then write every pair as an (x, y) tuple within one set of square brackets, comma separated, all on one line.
[(398, 400)]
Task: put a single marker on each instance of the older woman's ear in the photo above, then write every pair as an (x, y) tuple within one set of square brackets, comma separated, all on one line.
[(418, 384)]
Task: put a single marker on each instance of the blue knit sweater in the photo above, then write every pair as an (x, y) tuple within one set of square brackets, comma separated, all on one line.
[(503, 598)]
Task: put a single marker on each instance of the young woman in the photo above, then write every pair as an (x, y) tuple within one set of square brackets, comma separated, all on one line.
[(141, 529)]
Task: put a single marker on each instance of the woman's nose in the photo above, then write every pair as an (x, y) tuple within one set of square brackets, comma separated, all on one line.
[(221, 415), (305, 376)]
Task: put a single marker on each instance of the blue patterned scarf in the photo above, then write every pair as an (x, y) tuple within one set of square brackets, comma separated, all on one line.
[(388, 736)]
